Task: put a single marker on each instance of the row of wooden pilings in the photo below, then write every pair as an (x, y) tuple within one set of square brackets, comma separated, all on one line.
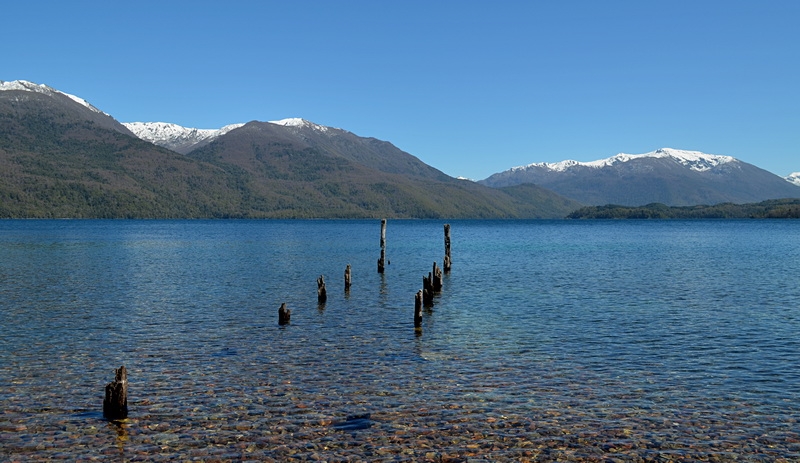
[(115, 404), (433, 283)]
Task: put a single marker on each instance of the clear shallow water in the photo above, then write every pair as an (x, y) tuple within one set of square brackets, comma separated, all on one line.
[(562, 340)]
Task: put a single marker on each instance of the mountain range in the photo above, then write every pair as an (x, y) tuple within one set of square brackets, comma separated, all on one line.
[(62, 157), (667, 176)]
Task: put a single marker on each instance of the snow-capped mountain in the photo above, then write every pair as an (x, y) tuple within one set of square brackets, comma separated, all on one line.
[(669, 176), (24, 85), (175, 137), (694, 160), (794, 178)]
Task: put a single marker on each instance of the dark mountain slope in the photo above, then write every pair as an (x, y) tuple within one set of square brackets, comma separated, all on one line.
[(35, 107), (539, 203), (370, 152), (286, 176)]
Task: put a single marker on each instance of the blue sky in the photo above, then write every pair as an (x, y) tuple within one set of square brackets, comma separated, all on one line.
[(469, 87)]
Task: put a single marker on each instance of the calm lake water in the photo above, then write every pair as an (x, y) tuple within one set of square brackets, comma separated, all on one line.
[(551, 341)]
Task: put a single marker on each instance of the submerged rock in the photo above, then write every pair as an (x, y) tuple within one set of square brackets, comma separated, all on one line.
[(354, 422)]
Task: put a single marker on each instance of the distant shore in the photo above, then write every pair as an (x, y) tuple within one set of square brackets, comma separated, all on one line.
[(772, 209)]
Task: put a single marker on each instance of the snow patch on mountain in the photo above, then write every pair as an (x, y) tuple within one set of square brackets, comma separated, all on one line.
[(25, 86), (794, 178), (300, 123), (182, 139), (171, 135), (694, 160)]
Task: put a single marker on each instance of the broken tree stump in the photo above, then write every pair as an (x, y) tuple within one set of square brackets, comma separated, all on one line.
[(322, 294), (284, 315), (347, 278), (447, 262), (382, 260), (418, 309), (115, 404)]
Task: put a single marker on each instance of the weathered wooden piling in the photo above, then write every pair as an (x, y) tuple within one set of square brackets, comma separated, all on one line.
[(347, 278), (418, 309), (438, 280), (447, 262), (115, 404), (284, 315), (382, 260), (427, 289), (322, 294)]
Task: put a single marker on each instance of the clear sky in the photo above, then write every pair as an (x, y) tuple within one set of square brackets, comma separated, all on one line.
[(469, 87)]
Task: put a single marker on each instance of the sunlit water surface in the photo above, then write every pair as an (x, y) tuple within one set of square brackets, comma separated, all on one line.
[(551, 340)]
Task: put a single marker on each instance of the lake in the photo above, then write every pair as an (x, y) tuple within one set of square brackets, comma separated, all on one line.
[(550, 341)]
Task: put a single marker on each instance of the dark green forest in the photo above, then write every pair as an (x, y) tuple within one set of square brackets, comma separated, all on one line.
[(772, 209)]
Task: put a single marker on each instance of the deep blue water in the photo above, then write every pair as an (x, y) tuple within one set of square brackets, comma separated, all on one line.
[(571, 340)]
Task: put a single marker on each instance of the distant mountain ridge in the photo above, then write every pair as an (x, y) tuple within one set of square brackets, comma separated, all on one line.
[(694, 160), (668, 176), (61, 157)]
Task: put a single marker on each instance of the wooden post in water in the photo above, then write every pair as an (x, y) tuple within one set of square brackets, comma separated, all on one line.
[(418, 309), (115, 404), (322, 294), (437, 282), (284, 315), (447, 262), (427, 289), (382, 260), (347, 278)]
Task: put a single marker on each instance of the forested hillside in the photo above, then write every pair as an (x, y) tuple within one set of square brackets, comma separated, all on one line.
[(772, 209), (60, 158)]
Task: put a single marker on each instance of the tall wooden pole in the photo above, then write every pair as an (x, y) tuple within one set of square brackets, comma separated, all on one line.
[(418, 309), (447, 262), (382, 260)]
